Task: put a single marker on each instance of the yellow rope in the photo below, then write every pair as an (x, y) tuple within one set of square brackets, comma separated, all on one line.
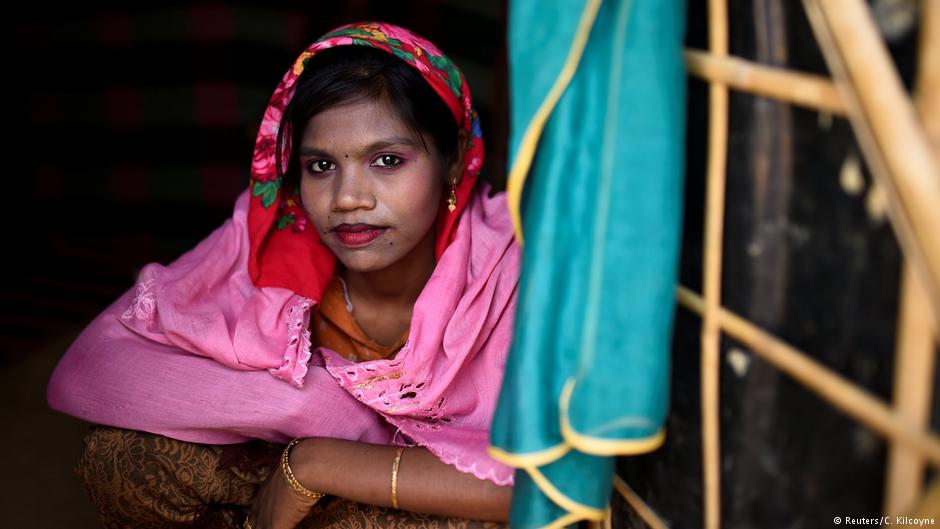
[(642, 509)]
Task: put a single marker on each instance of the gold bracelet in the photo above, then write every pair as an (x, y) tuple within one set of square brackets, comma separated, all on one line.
[(289, 475), (395, 463)]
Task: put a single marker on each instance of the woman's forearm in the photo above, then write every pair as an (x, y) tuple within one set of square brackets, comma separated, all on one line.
[(362, 472)]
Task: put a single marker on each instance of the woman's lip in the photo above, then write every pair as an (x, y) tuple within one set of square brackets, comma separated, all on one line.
[(356, 227), (360, 238)]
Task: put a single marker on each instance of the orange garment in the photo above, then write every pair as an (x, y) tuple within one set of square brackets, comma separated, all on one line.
[(335, 327)]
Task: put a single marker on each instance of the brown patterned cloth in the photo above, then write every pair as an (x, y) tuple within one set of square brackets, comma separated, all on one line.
[(140, 480)]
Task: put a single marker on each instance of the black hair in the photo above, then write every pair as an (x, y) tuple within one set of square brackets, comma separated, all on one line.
[(347, 74)]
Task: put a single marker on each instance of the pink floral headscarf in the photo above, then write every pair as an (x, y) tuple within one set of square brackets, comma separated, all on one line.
[(284, 252)]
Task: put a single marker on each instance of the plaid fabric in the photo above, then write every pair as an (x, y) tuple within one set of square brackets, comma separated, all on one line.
[(169, 99)]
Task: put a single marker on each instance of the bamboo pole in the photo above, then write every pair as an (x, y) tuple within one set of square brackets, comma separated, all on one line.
[(714, 226), (642, 509), (803, 89), (846, 396), (893, 142), (913, 390), (927, 83), (929, 504), (915, 360)]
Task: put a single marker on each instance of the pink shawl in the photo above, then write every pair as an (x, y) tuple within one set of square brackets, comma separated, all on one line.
[(184, 353), (142, 363)]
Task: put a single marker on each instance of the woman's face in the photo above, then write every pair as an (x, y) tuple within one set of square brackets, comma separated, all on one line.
[(369, 186)]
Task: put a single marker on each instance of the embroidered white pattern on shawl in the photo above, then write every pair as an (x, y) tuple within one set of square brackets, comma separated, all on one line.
[(297, 354), (144, 303)]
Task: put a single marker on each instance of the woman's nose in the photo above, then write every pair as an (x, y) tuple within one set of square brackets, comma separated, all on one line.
[(351, 190)]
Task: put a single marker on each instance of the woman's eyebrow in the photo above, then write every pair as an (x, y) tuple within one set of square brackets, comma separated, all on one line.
[(396, 141)]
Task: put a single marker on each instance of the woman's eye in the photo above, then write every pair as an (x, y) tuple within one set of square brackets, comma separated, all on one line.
[(320, 166), (387, 160)]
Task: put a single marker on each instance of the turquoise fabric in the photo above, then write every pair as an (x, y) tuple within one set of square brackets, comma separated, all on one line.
[(601, 216)]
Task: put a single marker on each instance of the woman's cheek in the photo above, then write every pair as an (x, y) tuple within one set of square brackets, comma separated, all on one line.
[(311, 206)]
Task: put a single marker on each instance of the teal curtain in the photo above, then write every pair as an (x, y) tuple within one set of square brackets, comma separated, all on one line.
[(588, 374)]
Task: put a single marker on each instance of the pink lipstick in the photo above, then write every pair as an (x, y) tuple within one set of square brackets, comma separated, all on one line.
[(357, 235)]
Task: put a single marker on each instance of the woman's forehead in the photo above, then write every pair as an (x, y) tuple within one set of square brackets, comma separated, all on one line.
[(361, 118), (355, 126)]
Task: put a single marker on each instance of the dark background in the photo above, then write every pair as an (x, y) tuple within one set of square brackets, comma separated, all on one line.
[(135, 128)]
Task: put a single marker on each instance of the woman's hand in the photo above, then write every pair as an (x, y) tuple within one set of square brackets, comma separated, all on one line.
[(277, 505), (361, 472)]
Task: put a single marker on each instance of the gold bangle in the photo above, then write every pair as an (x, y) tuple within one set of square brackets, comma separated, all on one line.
[(395, 463), (289, 475)]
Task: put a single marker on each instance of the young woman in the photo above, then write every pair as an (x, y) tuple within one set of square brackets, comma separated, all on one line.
[(364, 270)]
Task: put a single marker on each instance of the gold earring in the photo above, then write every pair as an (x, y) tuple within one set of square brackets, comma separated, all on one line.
[(452, 199)]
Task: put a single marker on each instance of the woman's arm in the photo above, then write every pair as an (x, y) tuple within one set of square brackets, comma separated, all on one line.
[(362, 472)]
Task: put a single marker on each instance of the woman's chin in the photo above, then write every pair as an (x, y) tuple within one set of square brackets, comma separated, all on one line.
[(361, 263)]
